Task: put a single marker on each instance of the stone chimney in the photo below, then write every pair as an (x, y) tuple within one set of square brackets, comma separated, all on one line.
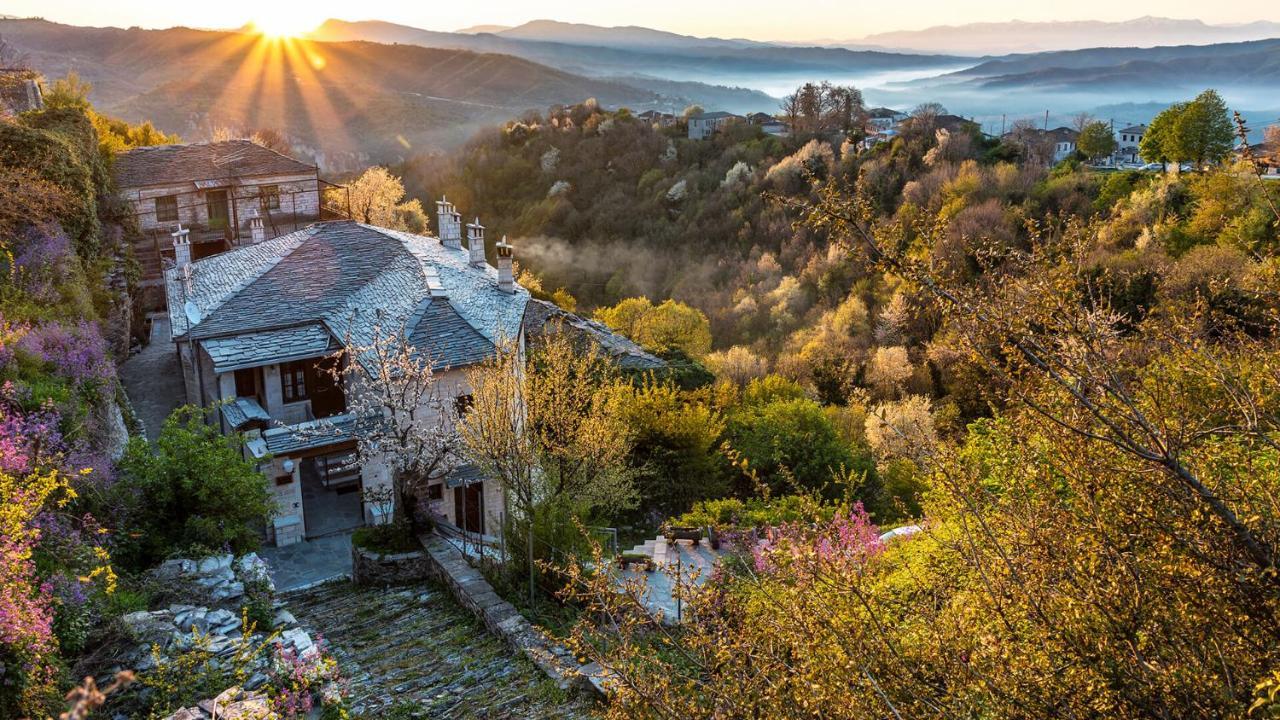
[(448, 224), (257, 229), (475, 243), (181, 246), (506, 277)]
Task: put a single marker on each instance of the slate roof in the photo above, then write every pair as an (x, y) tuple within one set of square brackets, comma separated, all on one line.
[(195, 162), (714, 115), (343, 277), (444, 337), (317, 433), (466, 474), (268, 347), (1134, 130), (540, 317), (242, 412)]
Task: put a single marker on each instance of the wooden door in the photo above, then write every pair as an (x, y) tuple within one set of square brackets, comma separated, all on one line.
[(468, 507)]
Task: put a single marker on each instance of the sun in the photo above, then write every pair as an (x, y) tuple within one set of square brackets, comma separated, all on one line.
[(282, 22)]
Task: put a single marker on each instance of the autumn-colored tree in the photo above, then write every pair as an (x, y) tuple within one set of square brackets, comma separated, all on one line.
[(552, 432), (377, 198)]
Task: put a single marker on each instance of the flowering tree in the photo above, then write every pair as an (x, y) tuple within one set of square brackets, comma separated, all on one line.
[(402, 415)]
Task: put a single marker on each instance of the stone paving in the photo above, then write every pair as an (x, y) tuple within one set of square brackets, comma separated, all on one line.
[(153, 379), (683, 563), (309, 562), (414, 649)]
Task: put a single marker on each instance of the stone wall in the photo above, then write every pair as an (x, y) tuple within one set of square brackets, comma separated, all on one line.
[(372, 568), (473, 592)]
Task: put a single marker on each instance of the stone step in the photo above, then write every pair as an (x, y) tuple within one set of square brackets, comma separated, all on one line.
[(416, 646)]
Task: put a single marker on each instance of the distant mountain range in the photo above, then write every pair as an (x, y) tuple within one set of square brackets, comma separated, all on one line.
[(1254, 65), (349, 102), (999, 38), (593, 50), (360, 91)]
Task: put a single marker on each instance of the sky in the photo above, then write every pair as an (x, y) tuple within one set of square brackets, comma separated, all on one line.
[(755, 19)]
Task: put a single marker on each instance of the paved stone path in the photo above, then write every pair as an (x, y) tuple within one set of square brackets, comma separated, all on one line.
[(309, 562), (688, 564), (153, 379), (413, 648)]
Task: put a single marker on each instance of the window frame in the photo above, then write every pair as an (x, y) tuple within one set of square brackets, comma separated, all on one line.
[(269, 197), (171, 204), (293, 382)]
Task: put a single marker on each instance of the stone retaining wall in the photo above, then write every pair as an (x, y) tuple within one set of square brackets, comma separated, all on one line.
[(472, 590), (373, 568)]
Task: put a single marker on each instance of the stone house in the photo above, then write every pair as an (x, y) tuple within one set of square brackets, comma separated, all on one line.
[(215, 190), (657, 118), (704, 125), (256, 328), (19, 91)]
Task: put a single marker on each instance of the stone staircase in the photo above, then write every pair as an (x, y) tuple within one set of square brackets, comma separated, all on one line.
[(413, 648)]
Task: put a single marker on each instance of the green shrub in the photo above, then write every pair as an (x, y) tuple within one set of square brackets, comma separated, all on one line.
[(193, 491), (386, 539)]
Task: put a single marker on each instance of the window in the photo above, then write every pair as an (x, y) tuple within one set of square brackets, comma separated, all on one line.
[(269, 197), (293, 381), (435, 492), (462, 404), (282, 480), (167, 208)]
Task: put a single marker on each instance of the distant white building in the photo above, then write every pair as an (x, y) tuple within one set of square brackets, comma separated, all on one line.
[(883, 121), (1063, 140), (1128, 139), (776, 127), (704, 125)]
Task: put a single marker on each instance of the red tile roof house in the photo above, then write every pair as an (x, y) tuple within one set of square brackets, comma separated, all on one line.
[(254, 327), (227, 193)]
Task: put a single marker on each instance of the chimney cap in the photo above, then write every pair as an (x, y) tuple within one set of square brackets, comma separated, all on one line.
[(503, 247)]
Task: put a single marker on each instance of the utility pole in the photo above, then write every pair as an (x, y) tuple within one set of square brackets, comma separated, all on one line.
[(1046, 121), (1002, 118)]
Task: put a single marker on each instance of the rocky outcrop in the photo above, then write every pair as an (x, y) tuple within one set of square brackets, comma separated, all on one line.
[(232, 704), (216, 627)]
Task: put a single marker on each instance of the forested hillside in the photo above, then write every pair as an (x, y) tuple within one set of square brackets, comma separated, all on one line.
[(1064, 376)]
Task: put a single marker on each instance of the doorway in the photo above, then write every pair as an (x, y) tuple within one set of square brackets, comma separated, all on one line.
[(219, 211), (468, 507), (331, 493)]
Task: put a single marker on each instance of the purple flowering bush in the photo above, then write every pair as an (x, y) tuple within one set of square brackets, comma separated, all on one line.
[(40, 261), (75, 352), (843, 544)]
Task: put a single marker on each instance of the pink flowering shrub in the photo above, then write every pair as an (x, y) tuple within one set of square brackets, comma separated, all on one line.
[(28, 649), (843, 544), (301, 683)]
